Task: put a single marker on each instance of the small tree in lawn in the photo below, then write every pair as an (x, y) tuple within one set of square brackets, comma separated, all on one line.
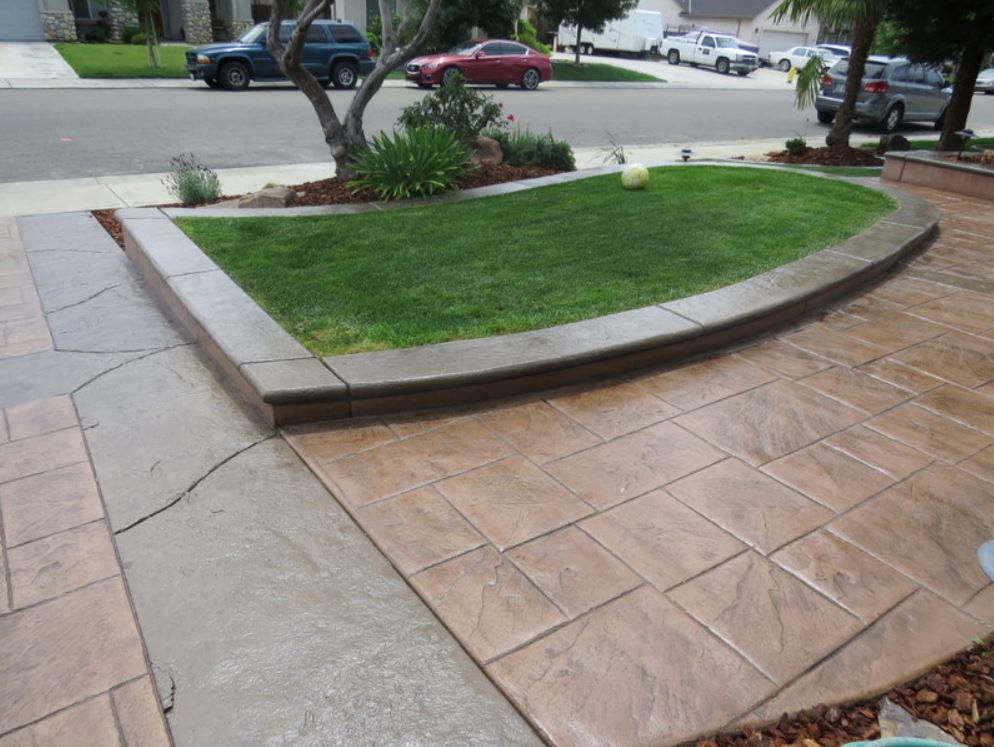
[(957, 30), (345, 137), (862, 17), (585, 14), (145, 10), (457, 18)]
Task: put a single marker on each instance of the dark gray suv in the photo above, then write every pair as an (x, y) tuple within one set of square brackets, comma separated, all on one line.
[(894, 90)]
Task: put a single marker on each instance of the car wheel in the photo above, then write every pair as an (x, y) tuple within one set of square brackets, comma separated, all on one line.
[(588, 49), (450, 74), (212, 82), (344, 75), (784, 66), (722, 66), (826, 117), (892, 119), (530, 79), (234, 76), (673, 57)]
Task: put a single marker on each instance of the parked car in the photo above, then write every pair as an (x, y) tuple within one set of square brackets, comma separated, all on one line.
[(335, 53), (496, 61), (799, 57), (712, 50), (836, 50), (985, 82), (894, 90), (640, 32)]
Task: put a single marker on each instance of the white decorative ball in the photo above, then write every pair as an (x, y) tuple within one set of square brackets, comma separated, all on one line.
[(634, 176)]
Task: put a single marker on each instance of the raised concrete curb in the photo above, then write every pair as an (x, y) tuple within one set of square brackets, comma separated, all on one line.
[(935, 169), (289, 385)]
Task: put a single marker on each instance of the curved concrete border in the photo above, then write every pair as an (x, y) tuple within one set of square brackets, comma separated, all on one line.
[(289, 385), (936, 170)]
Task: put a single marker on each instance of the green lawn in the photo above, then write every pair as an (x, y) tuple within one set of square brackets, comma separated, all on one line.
[(123, 60), (531, 259), (598, 71), (978, 143)]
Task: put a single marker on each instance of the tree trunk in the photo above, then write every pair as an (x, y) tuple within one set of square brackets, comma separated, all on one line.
[(576, 49), (959, 105), (151, 41), (864, 28)]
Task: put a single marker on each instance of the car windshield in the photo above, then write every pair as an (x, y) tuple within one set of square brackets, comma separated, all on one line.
[(254, 34), (465, 49), (725, 42), (873, 71)]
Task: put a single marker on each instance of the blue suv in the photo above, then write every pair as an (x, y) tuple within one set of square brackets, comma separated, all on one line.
[(335, 53)]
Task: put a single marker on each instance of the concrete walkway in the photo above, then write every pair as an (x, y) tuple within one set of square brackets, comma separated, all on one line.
[(661, 556), (269, 617), (38, 61)]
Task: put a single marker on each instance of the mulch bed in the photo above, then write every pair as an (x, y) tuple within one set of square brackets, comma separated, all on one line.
[(957, 696), (836, 155), (335, 192)]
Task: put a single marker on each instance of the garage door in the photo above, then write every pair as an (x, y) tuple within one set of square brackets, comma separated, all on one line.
[(779, 41), (20, 20)]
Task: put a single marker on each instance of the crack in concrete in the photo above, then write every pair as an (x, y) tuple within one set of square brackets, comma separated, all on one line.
[(90, 298), (193, 486), (119, 352), (148, 354)]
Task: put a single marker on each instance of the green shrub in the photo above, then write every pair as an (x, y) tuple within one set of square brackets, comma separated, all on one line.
[(128, 32), (139, 38), (417, 162), (191, 182), (524, 148), (529, 36), (796, 146), (456, 108)]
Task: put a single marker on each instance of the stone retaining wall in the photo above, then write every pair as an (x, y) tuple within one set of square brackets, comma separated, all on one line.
[(197, 22), (59, 25)]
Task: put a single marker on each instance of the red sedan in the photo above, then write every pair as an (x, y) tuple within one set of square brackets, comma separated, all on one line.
[(498, 61)]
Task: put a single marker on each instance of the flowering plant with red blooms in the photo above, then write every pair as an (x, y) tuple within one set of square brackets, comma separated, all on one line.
[(510, 117)]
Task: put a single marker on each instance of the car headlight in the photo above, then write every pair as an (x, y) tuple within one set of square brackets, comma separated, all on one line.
[(203, 59), (430, 66)]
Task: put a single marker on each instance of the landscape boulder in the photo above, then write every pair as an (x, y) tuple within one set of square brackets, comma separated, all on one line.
[(486, 151), (272, 195)]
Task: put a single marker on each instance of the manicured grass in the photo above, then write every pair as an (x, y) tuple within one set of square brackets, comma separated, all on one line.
[(598, 71), (123, 60), (978, 143), (531, 259)]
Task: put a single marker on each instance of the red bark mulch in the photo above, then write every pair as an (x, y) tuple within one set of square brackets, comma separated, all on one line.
[(836, 155), (957, 696), (334, 191)]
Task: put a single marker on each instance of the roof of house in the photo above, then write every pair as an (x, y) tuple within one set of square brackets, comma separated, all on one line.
[(723, 8)]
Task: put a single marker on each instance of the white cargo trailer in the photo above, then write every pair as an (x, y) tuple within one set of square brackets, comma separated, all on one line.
[(640, 32)]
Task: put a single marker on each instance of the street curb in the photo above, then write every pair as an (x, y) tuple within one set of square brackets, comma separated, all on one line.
[(289, 385)]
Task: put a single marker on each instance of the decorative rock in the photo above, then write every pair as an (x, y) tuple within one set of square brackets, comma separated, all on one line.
[(892, 143), (486, 151), (896, 722), (119, 18), (269, 196)]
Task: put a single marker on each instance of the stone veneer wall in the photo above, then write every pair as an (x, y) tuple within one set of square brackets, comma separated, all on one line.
[(59, 25), (239, 27), (197, 22), (119, 18)]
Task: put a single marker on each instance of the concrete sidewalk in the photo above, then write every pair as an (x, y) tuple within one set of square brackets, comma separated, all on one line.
[(139, 190)]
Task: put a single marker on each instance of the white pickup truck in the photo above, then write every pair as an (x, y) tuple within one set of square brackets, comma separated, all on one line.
[(720, 51)]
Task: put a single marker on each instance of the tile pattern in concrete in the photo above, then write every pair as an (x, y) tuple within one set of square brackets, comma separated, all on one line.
[(73, 668), (22, 323), (656, 557), (268, 615)]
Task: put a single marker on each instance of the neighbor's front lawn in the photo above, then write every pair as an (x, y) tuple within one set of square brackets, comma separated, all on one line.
[(531, 259), (123, 60), (598, 71)]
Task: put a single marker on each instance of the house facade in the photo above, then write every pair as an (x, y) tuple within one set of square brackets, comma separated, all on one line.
[(750, 20)]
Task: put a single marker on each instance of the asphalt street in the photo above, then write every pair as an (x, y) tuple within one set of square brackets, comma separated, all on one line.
[(57, 134)]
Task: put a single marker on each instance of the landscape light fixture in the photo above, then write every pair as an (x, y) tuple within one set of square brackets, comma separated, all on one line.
[(685, 154), (985, 554), (964, 136)]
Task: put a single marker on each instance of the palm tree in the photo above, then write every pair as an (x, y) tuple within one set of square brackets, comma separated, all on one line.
[(862, 18)]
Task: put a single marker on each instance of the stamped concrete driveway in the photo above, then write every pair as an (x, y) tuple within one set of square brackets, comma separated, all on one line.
[(661, 556)]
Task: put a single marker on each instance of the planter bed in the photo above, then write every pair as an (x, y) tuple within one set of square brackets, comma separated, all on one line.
[(290, 384)]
